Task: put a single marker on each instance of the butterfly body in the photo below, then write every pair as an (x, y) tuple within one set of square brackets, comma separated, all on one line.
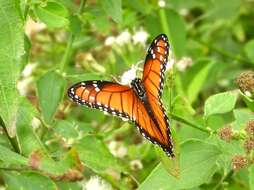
[(140, 102)]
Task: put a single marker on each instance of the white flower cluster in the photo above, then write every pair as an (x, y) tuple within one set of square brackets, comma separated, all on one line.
[(95, 183), (139, 37), (184, 63), (117, 149)]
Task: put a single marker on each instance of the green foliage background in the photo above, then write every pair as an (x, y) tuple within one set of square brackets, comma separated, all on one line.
[(46, 142)]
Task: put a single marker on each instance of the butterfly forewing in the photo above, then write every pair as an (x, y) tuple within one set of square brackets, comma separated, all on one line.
[(155, 65)]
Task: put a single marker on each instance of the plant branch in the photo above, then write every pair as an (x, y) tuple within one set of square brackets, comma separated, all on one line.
[(182, 120), (224, 53)]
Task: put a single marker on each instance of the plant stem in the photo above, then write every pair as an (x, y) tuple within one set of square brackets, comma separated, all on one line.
[(27, 7), (81, 7), (13, 140), (164, 23), (68, 50), (224, 53), (182, 120)]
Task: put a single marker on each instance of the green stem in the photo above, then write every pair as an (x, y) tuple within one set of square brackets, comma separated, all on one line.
[(13, 140), (164, 23), (182, 120), (82, 5), (27, 7), (68, 50), (224, 53)]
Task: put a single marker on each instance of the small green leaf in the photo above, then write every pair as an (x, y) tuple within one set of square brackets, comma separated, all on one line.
[(95, 154), (198, 81), (197, 165), (53, 14), (10, 157), (11, 51), (220, 103), (27, 181), (50, 91), (113, 8), (249, 50)]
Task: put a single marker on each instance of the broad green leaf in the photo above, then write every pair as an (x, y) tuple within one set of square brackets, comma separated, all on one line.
[(11, 51), (10, 157), (95, 154), (27, 181), (251, 177), (66, 129), (53, 14), (113, 8), (50, 91), (198, 81), (220, 103), (217, 11), (249, 50), (174, 26), (197, 166), (27, 138)]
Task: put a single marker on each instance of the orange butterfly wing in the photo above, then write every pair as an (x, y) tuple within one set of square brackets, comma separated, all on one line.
[(153, 80), (106, 96)]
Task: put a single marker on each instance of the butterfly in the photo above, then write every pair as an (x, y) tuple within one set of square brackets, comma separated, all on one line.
[(140, 102)]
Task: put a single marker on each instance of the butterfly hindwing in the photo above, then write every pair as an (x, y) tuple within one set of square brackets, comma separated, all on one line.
[(106, 96)]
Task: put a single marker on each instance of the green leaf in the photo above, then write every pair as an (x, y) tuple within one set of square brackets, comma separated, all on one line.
[(95, 154), (66, 129), (10, 157), (249, 50), (174, 26), (54, 14), (182, 107), (197, 166), (27, 181), (198, 81), (220, 103), (242, 116), (251, 177), (75, 25), (113, 8), (11, 51), (50, 91), (171, 164), (27, 138)]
